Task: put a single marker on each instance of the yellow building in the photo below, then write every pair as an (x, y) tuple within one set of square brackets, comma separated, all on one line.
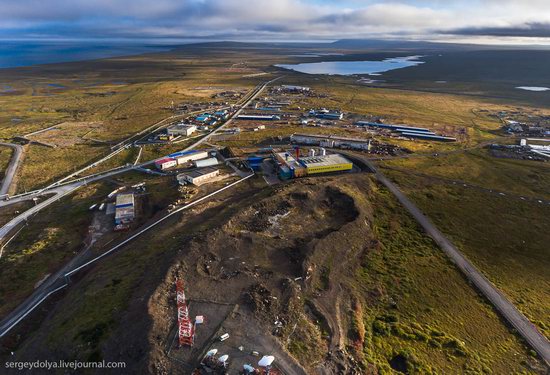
[(326, 163)]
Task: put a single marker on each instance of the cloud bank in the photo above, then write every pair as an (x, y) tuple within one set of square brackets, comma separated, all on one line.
[(273, 19)]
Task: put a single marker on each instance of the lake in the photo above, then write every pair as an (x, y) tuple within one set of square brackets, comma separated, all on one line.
[(533, 88), (354, 67)]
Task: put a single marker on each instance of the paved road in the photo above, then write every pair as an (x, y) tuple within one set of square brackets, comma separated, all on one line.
[(502, 304), (58, 192), (60, 279), (12, 166), (258, 91)]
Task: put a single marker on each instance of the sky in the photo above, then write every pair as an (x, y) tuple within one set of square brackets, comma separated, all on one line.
[(478, 21)]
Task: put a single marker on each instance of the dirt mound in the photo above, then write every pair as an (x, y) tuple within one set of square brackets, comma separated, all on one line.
[(260, 299), (275, 253)]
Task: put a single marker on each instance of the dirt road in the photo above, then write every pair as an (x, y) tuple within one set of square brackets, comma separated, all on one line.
[(513, 316), (12, 166)]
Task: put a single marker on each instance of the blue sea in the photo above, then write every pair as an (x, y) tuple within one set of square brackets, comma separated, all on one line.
[(26, 53)]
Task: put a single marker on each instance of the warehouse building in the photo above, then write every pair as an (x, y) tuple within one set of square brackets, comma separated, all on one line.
[(326, 164), (259, 117), (331, 141), (409, 131), (197, 177), (165, 163), (205, 162), (392, 127), (124, 209), (292, 88), (181, 129), (203, 118), (183, 157), (291, 166), (428, 137), (326, 114)]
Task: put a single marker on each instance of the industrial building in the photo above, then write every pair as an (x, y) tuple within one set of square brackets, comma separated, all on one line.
[(165, 163), (183, 157), (181, 129), (537, 149), (409, 131), (124, 209), (331, 141), (428, 137), (205, 162), (392, 127), (259, 117), (222, 114), (326, 114), (292, 88), (255, 161), (203, 118), (179, 158), (197, 177), (272, 109), (291, 166), (326, 163)]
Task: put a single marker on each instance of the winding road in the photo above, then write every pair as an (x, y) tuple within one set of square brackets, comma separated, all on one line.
[(12, 166)]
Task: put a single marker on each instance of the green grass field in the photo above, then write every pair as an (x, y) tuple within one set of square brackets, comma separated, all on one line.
[(506, 238), (478, 167), (419, 306), (5, 156)]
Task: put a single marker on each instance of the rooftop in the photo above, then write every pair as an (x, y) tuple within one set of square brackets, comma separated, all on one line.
[(199, 172), (333, 137), (289, 159), (124, 199), (325, 160)]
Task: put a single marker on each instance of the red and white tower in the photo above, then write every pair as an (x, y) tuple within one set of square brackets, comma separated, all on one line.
[(186, 331)]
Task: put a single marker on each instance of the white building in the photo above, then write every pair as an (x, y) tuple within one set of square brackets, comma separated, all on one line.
[(205, 162), (124, 208), (197, 177), (165, 163), (292, 88), (181, 129), (187, 157), (331, 141)]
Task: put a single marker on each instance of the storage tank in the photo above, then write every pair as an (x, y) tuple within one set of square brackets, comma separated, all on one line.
[(205, 162)]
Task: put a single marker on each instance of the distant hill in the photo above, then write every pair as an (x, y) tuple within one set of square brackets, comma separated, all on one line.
[(402, 44), (424, 45)]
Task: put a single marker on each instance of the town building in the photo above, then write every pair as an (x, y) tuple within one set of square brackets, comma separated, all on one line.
[(198, 176), (124, 208), (203, 118), (259, 117), (165, 163), (326, 164), (181, 129), (183, 157), (205, 162), (292, 88), (293, 166), (408, 131), (331, 141), (326, 114)]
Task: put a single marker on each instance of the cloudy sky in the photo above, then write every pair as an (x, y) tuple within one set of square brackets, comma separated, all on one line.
[(518, 21)]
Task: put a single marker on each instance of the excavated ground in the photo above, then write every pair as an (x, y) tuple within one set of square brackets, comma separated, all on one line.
[(283, 260)]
